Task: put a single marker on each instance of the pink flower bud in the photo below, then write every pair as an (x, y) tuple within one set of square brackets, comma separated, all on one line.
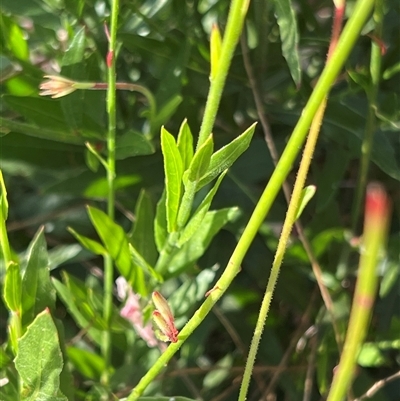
[(164, 319)]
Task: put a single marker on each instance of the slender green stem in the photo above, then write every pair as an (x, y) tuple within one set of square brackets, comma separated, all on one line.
[(167, 253), (233, 30), (375, 230), (108, 262), (290, 220), (366, 146), (280, 252), (333, 66)]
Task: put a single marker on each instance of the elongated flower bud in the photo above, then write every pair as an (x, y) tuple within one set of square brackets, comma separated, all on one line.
[(215, 50), (164, 319)]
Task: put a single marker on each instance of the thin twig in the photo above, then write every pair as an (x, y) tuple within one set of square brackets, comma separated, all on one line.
[(378, 386), (308, 384)]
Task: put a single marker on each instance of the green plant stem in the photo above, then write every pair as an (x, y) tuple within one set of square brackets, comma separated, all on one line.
[(280, 252), (367, 143), (290, 220), (167, 253), (133, 88), (237, 14), (108, 262), (331, 70), (375, 228)]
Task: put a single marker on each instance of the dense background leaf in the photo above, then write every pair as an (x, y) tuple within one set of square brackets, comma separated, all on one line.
[(164, 46)]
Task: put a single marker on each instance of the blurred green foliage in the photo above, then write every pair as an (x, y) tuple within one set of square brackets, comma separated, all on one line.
[(50, 176)]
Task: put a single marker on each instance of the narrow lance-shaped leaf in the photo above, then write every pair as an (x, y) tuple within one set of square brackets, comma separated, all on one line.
[(201, 160), (116, 243), (288, 30), (193, 249), (3, 197), (37, 289), (185, 144), (69, 300), (12, 287), (160, 223), (200, 213), (173, 169), (73, 67), (88, 243), (142, 235), (166, 112), (226, 156), (198, 167), (306, 195), (139, 260)]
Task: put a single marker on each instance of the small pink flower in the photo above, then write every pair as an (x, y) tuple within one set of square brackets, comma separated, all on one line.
[(133, 312)]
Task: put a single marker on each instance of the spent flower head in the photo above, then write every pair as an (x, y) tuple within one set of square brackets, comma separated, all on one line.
[(57, 86)]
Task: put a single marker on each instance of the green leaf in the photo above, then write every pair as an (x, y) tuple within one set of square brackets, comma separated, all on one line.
[(306, 194), (39, 361), (48, 114), (37, 289), (226, 156), (214, 379), (116, 243), (289, 33), (12, 287), (142, 236), (75, 6), (389, 279), (199, 214), (133, 144), (88, 243), (201, 160), (160, 223), (197, 245), (75, 52), (87, 363), (61, 254), (38, 132), (185, 144), (12, 38), (91, 160), (192, 291), (371, 356), (99, 188), (79, 310), (3, 198), (173, 169), (329, 176), (140, 262), (73, 68), (166, 112)]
